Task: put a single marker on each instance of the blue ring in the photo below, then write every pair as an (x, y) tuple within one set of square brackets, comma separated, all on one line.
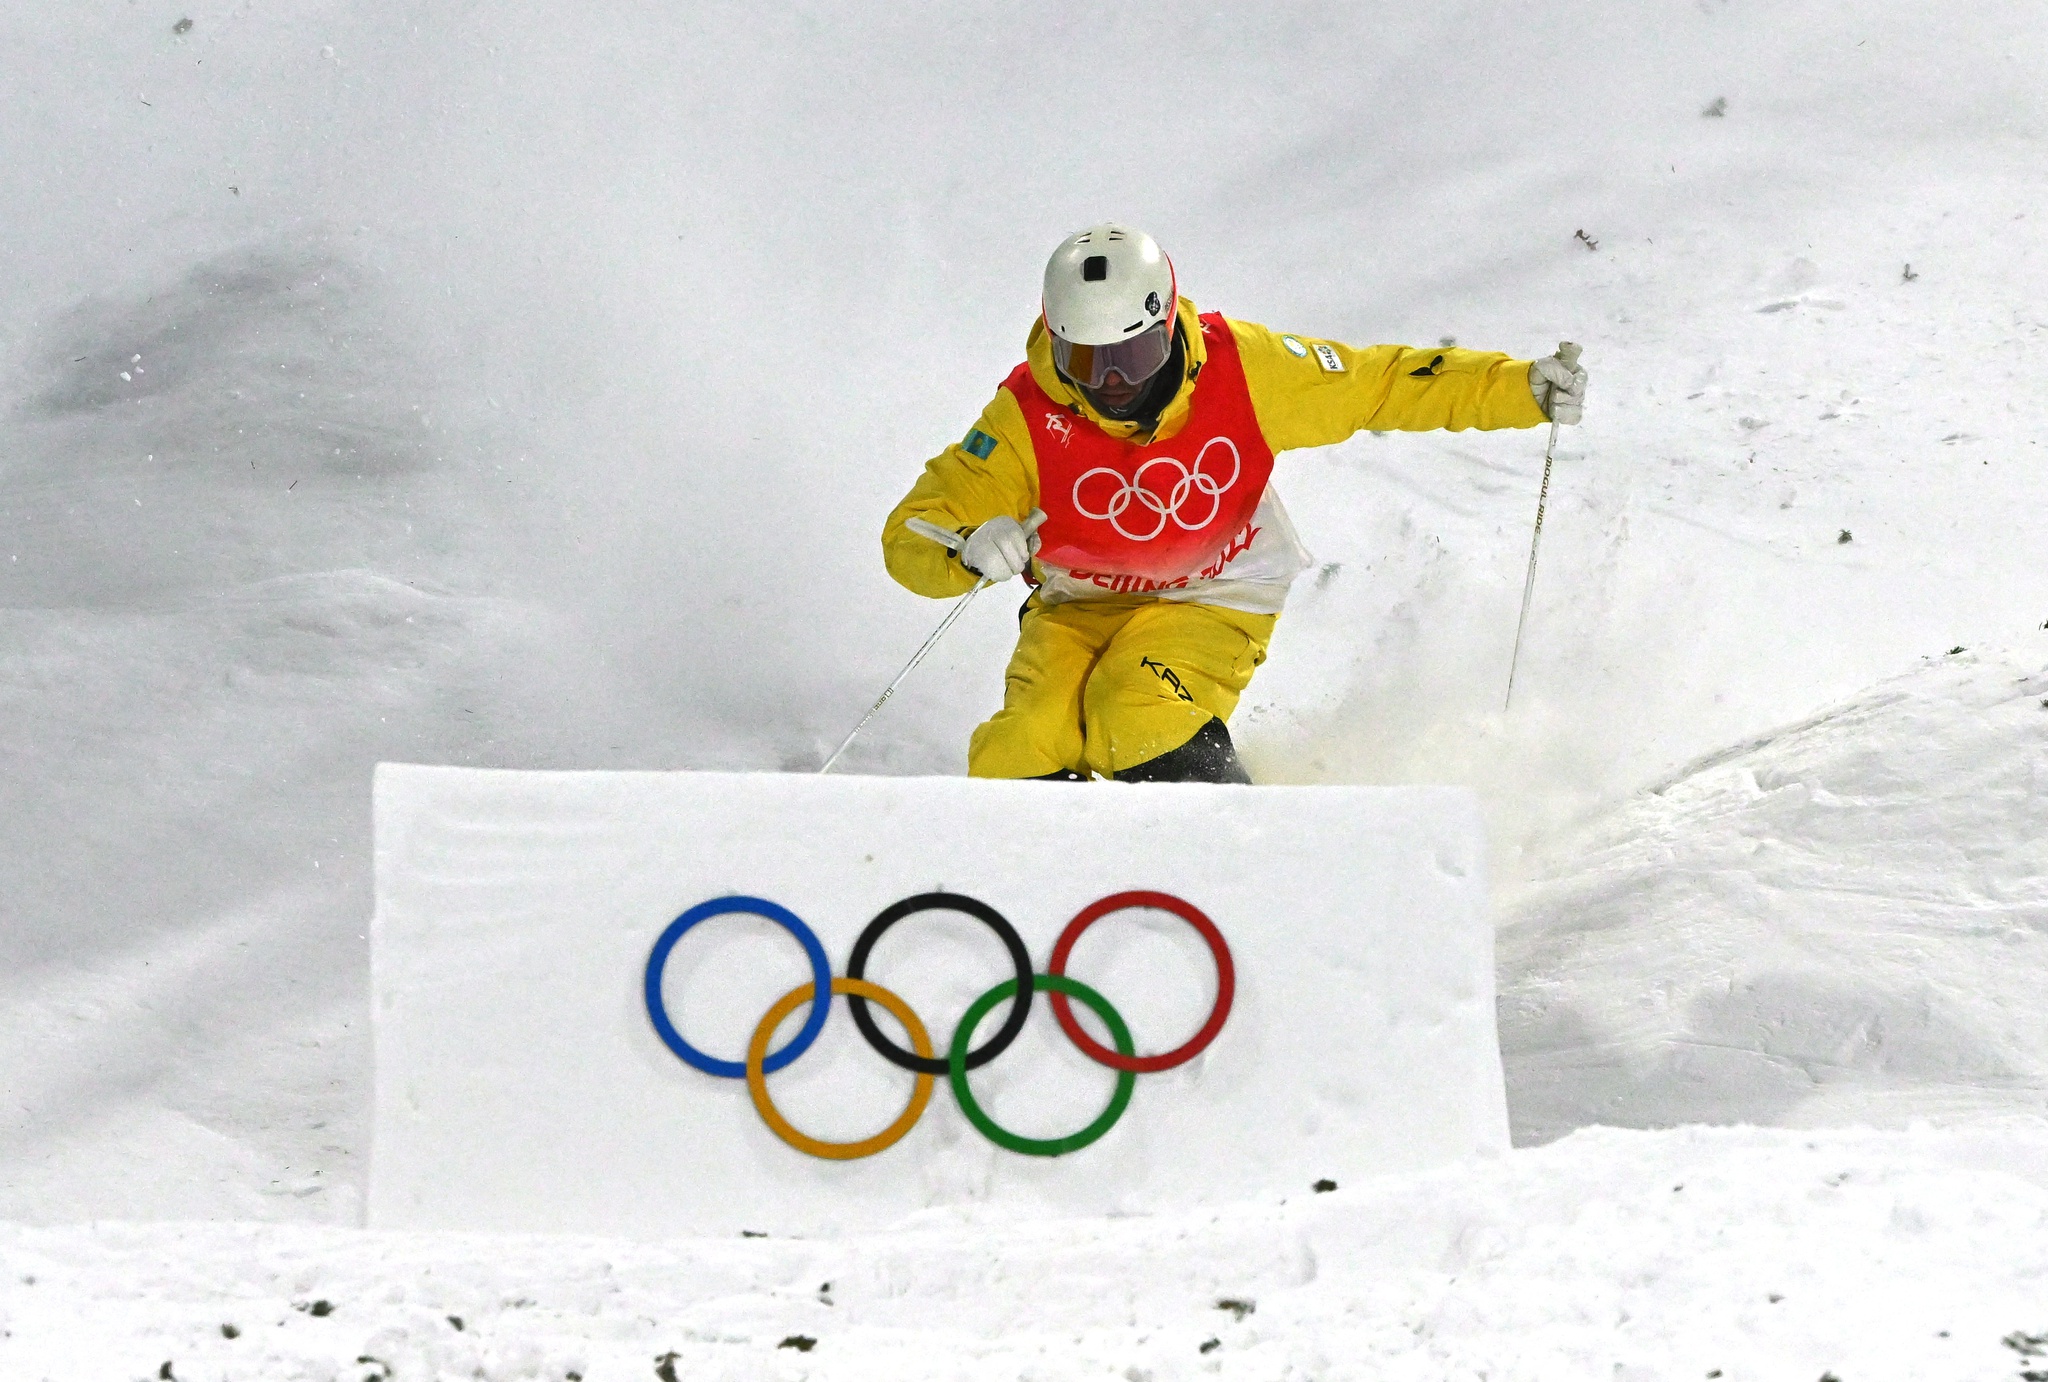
[(821, 975)]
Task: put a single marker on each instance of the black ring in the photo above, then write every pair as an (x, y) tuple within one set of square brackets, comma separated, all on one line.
[(1020, 1006)]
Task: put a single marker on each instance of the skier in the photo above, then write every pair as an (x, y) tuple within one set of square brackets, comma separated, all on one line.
[(1123, 470)]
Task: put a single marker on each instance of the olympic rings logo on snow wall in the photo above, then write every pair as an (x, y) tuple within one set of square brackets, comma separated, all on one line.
[(1135, 491), (961, 1055)]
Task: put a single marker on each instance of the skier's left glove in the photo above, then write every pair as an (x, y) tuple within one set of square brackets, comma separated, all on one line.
[(1002, 547), (1560, 388)]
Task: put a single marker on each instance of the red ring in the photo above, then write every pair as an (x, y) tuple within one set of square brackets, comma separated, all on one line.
[(1226, 981)]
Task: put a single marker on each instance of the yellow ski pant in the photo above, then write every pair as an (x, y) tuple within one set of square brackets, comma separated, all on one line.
[(1096, 686)]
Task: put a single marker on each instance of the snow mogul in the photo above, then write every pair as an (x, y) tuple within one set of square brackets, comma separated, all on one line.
[(1125, 471)]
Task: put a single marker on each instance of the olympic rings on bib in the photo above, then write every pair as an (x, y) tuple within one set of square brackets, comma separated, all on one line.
[(1187, 482), (961, 1054)]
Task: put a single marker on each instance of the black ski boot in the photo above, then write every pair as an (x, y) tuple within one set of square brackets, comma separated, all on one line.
[(1208, 757)]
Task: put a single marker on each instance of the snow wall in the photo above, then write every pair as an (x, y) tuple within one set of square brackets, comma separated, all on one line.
[(522, 1084)]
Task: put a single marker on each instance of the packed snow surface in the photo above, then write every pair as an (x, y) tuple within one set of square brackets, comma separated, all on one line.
[(1844, 920), (523, 386), (1611, 1254)]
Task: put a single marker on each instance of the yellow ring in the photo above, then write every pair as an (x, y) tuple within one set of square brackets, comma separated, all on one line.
[(757, 1080)]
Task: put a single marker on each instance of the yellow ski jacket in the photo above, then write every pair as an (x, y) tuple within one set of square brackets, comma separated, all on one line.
[(1304, 392)]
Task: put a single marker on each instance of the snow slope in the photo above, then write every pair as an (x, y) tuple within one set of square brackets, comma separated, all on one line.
[(1843, 921), (522, 385), (1630, 1256)]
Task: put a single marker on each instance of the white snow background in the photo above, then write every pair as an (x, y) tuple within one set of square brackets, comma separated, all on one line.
[(524, 385)]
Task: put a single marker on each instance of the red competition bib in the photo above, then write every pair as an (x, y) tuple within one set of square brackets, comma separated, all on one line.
[(1167, 511)]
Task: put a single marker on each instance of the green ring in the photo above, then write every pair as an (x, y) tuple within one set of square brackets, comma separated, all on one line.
[(956, 1068)]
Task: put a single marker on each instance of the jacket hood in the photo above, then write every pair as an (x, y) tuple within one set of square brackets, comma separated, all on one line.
[(1038, 354)]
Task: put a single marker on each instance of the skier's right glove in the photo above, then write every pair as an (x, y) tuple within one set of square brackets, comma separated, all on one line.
[(1560, 387), (1002, 547)]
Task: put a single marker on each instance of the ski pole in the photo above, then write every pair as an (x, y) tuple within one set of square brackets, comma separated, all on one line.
[(952, 542), (1568, 353)]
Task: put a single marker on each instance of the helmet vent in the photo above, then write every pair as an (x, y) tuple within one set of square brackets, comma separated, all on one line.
[(1094, 268)]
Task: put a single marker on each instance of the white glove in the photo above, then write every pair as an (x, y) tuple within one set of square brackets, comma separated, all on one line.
[(1002, 547), (1559, 384)]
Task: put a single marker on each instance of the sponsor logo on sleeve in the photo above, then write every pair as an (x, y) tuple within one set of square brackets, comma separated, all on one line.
[(1327, 357), (978, 444), (1295, 347)]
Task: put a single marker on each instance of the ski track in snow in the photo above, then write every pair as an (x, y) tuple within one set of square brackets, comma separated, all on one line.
[(500, 389)]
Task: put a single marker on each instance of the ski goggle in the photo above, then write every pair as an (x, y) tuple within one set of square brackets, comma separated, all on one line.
[(1136, 359)]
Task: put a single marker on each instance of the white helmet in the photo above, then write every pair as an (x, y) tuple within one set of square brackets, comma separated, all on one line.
[(1109, 303), (1106, 283)]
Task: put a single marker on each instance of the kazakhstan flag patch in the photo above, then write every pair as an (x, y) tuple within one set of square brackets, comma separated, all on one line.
[(978, 444)]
